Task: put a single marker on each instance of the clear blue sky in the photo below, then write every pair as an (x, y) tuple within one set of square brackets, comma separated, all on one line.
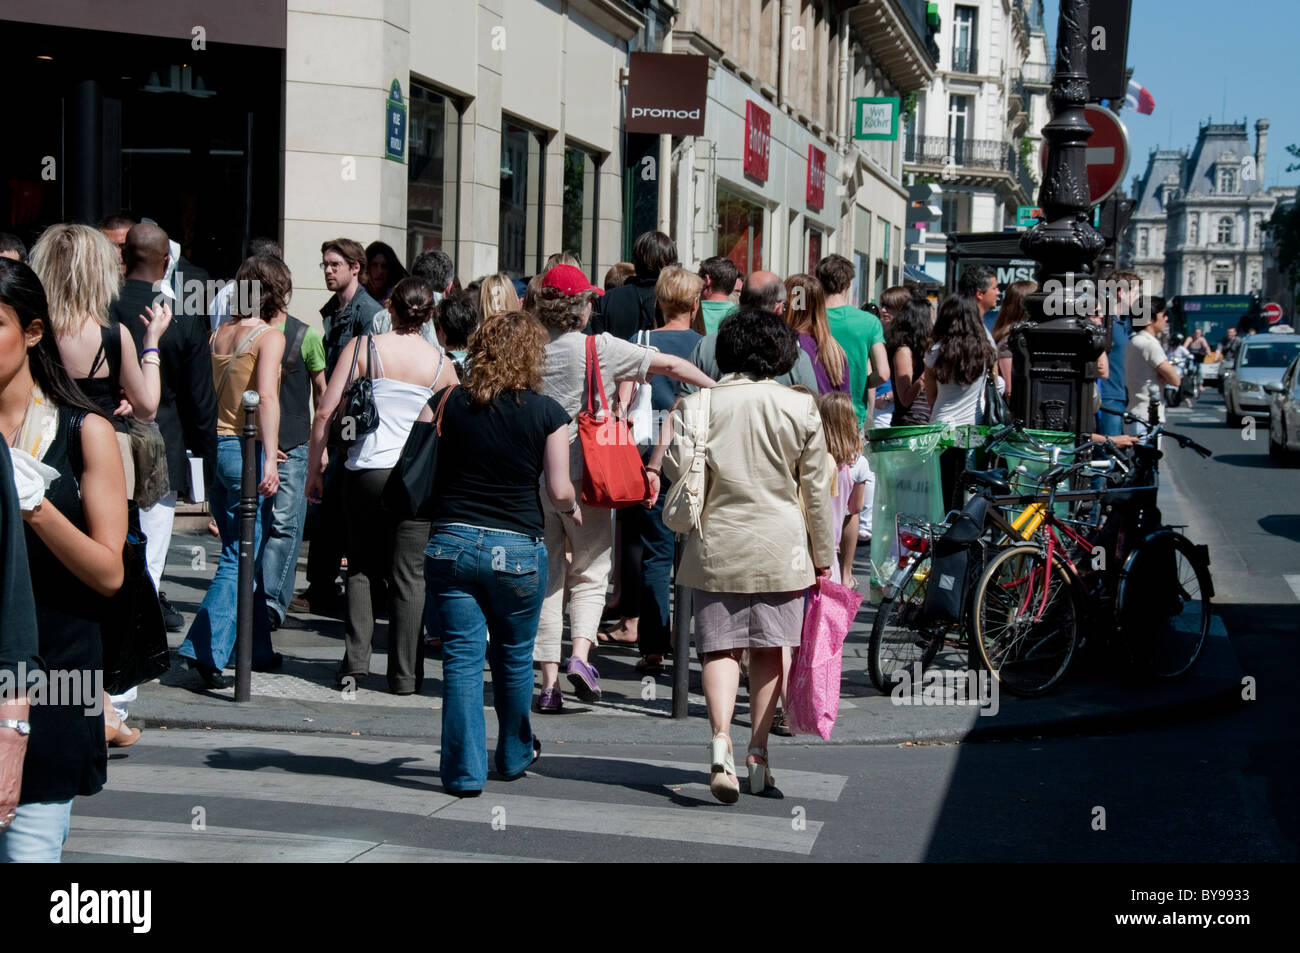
[(1184, 51)]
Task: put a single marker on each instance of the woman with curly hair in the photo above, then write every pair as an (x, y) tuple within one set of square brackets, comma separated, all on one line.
[(406, 370), (564, 305), (485, 564)]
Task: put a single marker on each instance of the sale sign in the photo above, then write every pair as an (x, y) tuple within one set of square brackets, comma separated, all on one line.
[(758, 141), (816, 188)]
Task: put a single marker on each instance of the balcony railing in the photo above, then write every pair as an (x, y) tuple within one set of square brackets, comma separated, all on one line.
[(984, 154), (1017, 95), (1036, 74), (964, 59)]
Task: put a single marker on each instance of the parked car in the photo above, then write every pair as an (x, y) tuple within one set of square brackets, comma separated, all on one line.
[(1284, 415), (1263, 359)]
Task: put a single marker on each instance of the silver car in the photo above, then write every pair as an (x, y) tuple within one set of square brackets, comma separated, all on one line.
[(1284, 415), (1261, 360)]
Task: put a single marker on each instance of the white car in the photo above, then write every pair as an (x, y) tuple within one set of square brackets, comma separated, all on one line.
[(1284, 415), (1262, 360)]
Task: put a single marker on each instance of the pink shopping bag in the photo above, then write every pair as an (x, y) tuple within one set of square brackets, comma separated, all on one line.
[(813, 695)]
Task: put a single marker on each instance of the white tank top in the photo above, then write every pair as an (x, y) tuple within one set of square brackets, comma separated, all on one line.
[(398, 403)]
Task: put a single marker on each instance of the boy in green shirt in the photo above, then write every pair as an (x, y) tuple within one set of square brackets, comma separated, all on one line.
[(720, 275)]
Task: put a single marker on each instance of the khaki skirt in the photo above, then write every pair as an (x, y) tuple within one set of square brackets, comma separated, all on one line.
[(747, 620)]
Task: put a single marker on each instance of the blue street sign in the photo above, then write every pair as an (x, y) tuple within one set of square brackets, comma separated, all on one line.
[(395, 126)]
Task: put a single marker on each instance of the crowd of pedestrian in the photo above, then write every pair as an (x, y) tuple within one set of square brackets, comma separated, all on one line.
[(113, 382)]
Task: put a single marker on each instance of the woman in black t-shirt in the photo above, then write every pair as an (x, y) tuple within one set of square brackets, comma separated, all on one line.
[(485, 566), (74, 537)]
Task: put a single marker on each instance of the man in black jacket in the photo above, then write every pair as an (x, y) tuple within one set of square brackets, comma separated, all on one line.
[(631, 307), (187, 410)]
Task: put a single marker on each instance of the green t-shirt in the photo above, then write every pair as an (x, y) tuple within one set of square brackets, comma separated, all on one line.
[(713, 312), (857, 331), (313, 349)]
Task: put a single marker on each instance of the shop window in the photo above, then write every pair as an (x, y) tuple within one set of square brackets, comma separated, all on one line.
[(882, 260), (814, 249), (740, 231), (861, 278), (519, 239), (433, 174), (579, 219)]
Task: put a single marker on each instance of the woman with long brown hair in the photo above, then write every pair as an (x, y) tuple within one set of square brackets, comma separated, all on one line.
[(805, 312), (1010, 314), (485, 564)]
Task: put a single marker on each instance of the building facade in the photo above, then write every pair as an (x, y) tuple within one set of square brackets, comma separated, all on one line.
[(1198, 225), (491, 129), (976, 130)]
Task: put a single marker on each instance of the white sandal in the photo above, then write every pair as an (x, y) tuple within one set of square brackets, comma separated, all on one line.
[(760, 775), (722, 766)]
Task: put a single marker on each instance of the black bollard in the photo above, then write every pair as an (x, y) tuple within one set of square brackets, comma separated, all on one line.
[(247, 533)]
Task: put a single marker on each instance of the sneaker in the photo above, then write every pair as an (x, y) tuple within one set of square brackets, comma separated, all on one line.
[(550, 701), (584, 679), (172, 619)]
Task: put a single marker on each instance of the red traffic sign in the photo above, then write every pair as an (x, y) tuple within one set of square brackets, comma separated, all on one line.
[(1273, 312), (1107, 152)]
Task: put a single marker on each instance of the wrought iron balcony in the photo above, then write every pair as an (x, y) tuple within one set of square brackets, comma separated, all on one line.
[(983, 154)]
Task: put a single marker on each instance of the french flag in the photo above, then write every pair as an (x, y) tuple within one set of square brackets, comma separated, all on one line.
[(1138, 98)]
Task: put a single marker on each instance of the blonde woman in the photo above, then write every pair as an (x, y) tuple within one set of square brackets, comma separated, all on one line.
[(78, 267), (805, 312), (496, 295)]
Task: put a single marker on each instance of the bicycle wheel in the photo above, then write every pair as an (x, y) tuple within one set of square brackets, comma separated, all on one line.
[(1026, 642), (1163, 605), (900, 637)]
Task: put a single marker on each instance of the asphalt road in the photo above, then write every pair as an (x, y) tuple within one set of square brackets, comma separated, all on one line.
[(1223, 788)]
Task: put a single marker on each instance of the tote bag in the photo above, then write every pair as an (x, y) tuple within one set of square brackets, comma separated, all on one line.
[(640, 415), (408, 493), (613, 476), (684, 501), (813, 695)]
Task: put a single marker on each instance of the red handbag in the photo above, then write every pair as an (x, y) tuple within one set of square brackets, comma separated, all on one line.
[(612, 473)]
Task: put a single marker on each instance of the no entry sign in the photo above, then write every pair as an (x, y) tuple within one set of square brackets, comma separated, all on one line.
[(1107, 153), (1273, 312)]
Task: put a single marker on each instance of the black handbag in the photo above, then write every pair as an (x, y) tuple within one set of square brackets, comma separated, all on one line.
[(356, 414), (132, 629), (996, 411), (956, 565), (409, 490)]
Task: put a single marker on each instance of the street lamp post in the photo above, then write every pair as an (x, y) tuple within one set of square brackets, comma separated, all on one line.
[(247, 552), (1054, 354)]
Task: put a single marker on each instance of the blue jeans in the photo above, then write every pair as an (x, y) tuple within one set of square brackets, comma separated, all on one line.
[(211, 638), (1108, 424), (288, 513), (482, 581), (647, 576), (37, 833)]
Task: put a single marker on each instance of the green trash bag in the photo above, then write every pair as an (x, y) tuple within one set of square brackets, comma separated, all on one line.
[(905, 462)]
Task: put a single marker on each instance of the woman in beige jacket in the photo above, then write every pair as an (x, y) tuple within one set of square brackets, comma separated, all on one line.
[(765, 530)]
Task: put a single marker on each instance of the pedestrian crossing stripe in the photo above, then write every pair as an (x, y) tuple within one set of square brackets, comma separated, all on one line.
[(410, 786)]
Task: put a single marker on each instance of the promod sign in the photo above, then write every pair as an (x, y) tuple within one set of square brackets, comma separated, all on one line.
[(666, 93)]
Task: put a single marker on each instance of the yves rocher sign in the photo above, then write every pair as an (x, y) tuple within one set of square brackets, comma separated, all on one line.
[(666, 93)]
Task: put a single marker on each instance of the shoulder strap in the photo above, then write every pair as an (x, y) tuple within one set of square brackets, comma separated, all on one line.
[(595, 383), (296, 331), (75, 458), (243, 346), (706, 409), (437, 414), (372, 359), (101, 356)]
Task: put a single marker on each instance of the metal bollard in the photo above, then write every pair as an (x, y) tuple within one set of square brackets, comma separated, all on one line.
[(681, 653), (247, 534)]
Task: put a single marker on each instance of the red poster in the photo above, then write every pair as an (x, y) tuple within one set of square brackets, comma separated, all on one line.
[(758, 139), (816, 191)]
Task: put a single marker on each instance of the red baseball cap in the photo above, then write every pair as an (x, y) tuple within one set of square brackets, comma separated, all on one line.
[(569, 280)]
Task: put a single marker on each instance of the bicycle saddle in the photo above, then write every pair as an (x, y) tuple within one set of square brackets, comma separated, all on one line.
[(992, 480)]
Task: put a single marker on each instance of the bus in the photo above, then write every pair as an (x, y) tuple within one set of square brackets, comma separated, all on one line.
[(1214, 314)]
